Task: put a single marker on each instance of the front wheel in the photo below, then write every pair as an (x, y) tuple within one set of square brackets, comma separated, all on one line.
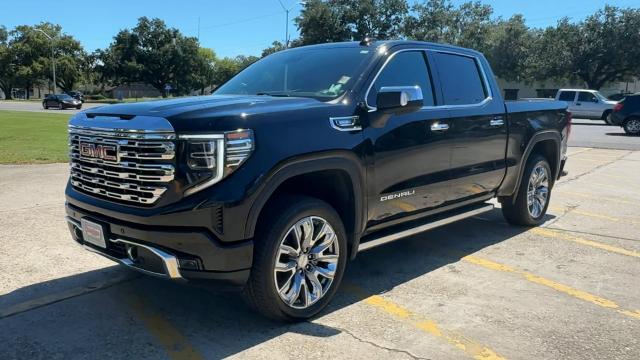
[(299, 259), (607, 117), (632, 126), (532, 199)]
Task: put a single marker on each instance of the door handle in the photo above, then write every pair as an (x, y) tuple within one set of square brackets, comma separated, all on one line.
[(578, 103), (496, 122), (439, 127)]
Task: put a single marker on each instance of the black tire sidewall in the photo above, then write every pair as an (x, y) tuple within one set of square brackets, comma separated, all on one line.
[(289, 212), (626, 129)]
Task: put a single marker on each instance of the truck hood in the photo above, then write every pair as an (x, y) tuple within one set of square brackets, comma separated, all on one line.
[(201, 107)]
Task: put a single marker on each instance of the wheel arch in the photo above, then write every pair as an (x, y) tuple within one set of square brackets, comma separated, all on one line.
[(546, 143), (310, 175)]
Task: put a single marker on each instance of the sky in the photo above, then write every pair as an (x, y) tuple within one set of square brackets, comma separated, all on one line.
[(233, 27)]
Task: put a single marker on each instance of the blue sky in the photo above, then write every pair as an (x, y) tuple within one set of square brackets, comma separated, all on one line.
[(232, 27)]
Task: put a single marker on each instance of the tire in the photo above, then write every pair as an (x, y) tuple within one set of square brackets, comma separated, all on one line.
[(45, 107), (79, 107), (276, 232), (607, 117), (632, 126), (519, 211), (60, 106)]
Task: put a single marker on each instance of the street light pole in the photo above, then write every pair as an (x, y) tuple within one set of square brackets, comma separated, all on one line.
[(286, 28), (53, 60)]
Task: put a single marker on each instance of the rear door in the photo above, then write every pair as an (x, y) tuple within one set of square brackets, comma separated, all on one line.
[(410, 169), (477, 125), (570, 98)]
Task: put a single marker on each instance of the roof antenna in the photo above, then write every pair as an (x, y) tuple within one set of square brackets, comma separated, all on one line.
[(367, 41)]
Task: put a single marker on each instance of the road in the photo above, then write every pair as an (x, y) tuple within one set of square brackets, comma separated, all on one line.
[(476, 289), (36, 106)]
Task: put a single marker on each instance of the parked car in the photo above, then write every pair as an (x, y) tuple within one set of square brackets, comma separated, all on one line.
[(627, 114), (587, 104), (76, 95), (61, 101), (305, 159)]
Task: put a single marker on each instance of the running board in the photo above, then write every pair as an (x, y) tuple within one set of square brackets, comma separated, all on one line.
[(423, 227)]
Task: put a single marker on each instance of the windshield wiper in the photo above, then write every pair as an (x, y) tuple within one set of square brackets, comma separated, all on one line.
[(282, 94)]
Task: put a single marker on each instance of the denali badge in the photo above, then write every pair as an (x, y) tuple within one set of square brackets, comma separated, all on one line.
[(99, 151), (398, 195)]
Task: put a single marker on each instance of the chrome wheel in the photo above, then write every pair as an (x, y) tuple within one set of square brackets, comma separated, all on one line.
[(538, 191), (633, 126), (306, 262)]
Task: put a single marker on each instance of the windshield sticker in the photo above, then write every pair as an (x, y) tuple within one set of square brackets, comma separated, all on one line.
[(343, 80)]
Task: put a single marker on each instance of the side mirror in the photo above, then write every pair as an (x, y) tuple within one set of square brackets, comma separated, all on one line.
[(399, 99)]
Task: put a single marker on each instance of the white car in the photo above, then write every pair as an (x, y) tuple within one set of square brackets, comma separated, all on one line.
[(587, 104)]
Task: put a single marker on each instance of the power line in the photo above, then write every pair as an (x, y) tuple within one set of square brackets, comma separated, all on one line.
[(241, 21)]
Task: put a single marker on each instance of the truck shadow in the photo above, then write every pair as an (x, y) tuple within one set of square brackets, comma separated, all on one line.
[(217, 324)]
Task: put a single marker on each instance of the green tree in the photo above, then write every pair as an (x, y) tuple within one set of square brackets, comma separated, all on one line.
[(510, 49), (154, 54), (7, 65), (601, 49), (205, 74), (468, 25), (343, 20)]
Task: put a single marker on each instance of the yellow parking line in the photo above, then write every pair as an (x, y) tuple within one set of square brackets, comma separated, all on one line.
[(578, 294), (174, 343), (563, 236), (470, 347)]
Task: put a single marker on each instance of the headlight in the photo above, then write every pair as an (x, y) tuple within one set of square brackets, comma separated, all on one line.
[(211, 157)]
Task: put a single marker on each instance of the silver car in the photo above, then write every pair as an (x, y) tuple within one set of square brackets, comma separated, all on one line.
[(587, 104)]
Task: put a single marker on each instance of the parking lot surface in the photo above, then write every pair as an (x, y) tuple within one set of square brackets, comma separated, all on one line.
[(479, 288)]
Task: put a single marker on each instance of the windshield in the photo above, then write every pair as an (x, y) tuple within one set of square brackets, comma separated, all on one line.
[(323, 73), (64, 97), (600, 96)]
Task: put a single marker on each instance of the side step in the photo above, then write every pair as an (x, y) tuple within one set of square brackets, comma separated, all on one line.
[(440, 221)]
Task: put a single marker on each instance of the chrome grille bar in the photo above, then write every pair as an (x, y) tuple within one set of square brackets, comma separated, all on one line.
[(143, 170)]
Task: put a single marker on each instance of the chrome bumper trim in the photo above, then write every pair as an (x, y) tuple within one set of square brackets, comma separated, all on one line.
[(169, 261)]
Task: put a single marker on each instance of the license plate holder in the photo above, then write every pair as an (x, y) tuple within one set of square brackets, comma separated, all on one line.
[(93, 233)]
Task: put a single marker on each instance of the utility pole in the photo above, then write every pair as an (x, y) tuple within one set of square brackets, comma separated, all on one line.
[(198, 28), (287, 10), (53, 60)]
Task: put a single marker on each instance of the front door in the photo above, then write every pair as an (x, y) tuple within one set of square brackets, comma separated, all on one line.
[(478, 126), (589, 105), (410, 169)]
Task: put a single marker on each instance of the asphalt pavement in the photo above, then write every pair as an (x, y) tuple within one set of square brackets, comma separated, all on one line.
[(23, 105)]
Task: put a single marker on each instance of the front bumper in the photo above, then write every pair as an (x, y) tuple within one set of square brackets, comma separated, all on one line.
[(177, 253)]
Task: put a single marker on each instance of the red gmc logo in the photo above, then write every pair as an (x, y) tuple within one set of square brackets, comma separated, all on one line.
[(99, 151)]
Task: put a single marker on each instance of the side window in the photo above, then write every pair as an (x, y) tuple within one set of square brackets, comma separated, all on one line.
[(406, 68), (460, 78), (567, 96), (586, 97)]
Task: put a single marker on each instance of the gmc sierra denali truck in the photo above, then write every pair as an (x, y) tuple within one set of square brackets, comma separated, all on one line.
[(304, 159)]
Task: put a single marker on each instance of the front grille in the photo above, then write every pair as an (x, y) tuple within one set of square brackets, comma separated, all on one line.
[(137, 170)]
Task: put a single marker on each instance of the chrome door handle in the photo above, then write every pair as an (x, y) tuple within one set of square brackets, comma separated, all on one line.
[(439, 127), (496, 122)]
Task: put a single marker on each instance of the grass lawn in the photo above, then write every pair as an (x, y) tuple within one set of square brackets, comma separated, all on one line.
[(33, 138)]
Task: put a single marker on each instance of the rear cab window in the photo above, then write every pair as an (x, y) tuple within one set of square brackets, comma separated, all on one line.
[(405, 68), (567, 96), (460, 79)]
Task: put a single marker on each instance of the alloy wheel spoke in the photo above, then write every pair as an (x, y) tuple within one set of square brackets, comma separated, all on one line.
[(315, 284), (288, 250), (327, 272), (328, 258), (294, 292), (285, 266), (307, 233)]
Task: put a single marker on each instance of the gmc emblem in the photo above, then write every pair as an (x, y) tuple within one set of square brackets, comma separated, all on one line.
[(99, 151)]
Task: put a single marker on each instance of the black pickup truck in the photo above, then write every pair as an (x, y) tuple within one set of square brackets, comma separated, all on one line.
[(303, 160)]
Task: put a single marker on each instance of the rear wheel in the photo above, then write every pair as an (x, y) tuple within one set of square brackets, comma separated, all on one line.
[(60, 106), (532, 199), (607, 117), (299, 259), (632, 126)]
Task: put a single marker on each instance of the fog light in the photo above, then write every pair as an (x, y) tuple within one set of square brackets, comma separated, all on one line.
[(189, 264)]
